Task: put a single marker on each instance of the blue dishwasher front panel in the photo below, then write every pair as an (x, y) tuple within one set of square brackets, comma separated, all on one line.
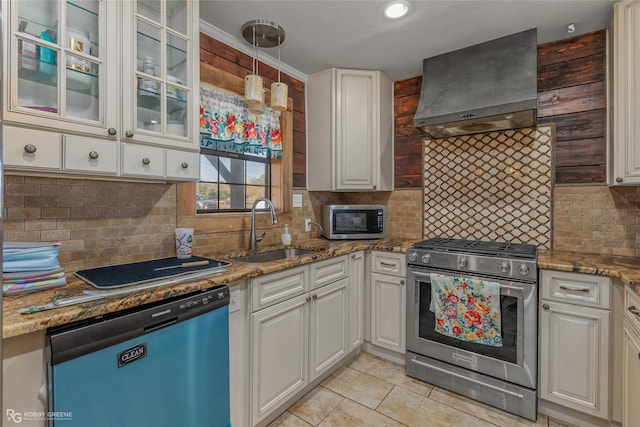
[(174, 376)]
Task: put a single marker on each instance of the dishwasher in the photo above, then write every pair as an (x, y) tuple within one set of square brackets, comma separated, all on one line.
[(164, 364)]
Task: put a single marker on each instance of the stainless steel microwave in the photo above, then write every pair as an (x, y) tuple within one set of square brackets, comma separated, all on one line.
[(353, 221)]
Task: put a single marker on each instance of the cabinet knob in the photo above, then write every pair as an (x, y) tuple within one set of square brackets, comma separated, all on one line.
[(93, 155), (375, 186), (402, 282), (184, 165), (112, 131), (146, 161), (353, 256), (314, 296), (546, 306), (308, 299), (619, 179), (129, 133), (30, 148)]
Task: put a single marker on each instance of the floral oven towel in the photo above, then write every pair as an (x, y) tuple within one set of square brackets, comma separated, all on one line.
[(467, 309)]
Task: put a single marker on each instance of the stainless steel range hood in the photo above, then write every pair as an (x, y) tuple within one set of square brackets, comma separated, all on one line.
[(482, 88)]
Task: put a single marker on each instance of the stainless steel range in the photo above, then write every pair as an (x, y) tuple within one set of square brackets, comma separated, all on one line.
[(503, 375)]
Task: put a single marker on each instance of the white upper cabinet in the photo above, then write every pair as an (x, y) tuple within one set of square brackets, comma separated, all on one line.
[(350, 124), (122, 71), (624, 69), (160, 72), (60, 65)]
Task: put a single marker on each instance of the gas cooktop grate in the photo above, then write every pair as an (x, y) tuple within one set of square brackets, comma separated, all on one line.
[(503, 249)]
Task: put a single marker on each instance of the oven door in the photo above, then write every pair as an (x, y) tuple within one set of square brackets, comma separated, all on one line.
[(515, 361)]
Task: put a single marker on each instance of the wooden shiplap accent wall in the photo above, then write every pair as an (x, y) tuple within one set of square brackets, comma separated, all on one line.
[(571, 94), (226, 58)]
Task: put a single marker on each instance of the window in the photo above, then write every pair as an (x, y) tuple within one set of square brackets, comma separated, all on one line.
[(236, 148), (232, 181)]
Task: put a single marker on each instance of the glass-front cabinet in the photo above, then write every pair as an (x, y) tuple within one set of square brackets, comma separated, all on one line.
[(123, 72), (160, 70), (60, 75)]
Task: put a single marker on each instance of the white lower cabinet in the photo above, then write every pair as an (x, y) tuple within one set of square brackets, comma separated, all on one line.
[(575, 353), (279, 354), (388, 301), (356, 300), (631, 360), (296, 340)]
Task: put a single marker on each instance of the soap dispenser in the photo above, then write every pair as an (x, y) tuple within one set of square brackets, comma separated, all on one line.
[(286, 237)]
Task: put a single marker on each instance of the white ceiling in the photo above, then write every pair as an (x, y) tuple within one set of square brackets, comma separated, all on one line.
[(321, 34)]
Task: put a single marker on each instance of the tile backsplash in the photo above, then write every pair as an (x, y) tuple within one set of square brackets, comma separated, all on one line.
[(492, 186), (98, 222)]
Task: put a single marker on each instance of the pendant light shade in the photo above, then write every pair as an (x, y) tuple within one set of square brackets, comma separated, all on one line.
[(257, 108), (253, 90), (279, 94)]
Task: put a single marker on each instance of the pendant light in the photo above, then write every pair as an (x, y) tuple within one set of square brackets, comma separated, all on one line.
[(261, 33)]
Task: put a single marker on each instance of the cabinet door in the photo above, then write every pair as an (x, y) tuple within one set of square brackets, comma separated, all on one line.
[(62, 77), (160, 72), (626, 93), (356, 300), (279, 354), (388, 307), (328, 326), (631, 377), (574, 357), (356, 134)]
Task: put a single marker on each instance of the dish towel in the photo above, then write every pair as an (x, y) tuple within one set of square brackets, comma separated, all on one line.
[(467, 309)]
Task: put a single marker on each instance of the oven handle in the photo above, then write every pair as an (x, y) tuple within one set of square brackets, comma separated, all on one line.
[(513, 288), (473, 380)]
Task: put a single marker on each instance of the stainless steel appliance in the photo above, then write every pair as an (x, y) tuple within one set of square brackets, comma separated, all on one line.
[(162, 364), (504, 376), (353, 221)]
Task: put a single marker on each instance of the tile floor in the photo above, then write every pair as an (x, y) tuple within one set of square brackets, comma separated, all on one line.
[(372, 392)]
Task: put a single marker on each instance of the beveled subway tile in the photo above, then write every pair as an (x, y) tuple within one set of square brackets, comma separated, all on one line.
[(483, 411), (358, 386), (316, 405), (390, 372), (351, 414), (418, 411), (289, 420)]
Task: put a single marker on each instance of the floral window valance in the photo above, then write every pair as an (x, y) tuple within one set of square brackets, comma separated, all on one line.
[(226, 124)]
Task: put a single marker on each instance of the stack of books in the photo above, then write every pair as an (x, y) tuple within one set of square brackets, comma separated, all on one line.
[(30, 267)]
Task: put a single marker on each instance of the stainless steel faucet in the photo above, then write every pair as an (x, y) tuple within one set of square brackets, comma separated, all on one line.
[(253, 240)]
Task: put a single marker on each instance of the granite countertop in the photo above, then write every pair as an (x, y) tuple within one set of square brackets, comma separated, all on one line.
[(14, 324), (626, 268)]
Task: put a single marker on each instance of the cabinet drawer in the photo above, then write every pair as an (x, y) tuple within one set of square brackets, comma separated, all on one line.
[(183, 165), (273, 288), (328, 271), (388, 263), (90, 155), (576, 288), (141, 160), (45, 149), (632, 307)]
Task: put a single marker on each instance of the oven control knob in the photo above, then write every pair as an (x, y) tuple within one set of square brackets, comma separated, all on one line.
[(523, 269), (426, 259), (504, 267), (462, 262), (413, 256)]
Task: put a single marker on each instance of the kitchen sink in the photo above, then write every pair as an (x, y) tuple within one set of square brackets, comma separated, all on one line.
[(274, 255)]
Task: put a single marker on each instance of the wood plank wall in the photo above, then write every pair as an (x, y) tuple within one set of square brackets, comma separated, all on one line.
[(571, 94), (226, 58)]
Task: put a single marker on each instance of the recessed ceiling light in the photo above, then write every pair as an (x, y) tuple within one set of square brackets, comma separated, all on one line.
[(397, 9)]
